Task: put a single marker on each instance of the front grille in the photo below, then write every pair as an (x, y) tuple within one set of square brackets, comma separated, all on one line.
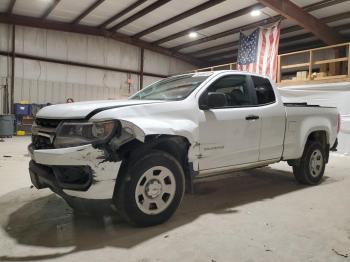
[(49, 123), (41, 142), (43, 133)]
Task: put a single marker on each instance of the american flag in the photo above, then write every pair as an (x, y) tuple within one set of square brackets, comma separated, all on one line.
[(258, 51)]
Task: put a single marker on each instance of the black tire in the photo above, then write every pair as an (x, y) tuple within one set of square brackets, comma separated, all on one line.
[(305, 174), (125, 198)]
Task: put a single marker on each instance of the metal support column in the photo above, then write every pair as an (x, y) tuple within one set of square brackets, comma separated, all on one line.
[(141, 67), (13, 56)]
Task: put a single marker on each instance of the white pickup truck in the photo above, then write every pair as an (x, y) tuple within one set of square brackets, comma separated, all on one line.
[(139, 155)]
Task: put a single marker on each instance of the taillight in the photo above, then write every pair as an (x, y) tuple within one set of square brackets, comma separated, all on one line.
[(338, 123)]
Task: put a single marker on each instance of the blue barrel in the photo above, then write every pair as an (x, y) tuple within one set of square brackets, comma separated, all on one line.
[(7, 125)]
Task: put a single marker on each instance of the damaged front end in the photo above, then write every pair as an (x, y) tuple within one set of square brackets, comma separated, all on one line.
[(79, 158)]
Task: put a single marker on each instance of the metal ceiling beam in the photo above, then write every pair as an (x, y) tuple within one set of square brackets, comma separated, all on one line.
[(73, 63), (210, 23), (179, 17), (283, 43), (139, 14), (309, 8), (236, 43), (226, 33), (290, 29), (10, 7), (221, 54), (214, 48), (322, 4), (337, 17), (50, 9), (292, 48), (83, 29), (328, 19), (223, 61), (293, 12), (295, 38), (121, 13), (303, 46), (342, 27), (87, 11), (313, 7)]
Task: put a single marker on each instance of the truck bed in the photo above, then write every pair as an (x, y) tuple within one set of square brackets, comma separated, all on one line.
[(301, 119)]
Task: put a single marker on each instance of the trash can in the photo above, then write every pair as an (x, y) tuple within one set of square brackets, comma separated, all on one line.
[(7, 125)]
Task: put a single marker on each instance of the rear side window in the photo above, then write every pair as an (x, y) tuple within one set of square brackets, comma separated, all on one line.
[(264, 90)]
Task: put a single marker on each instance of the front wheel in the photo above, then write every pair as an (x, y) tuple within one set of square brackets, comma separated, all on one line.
[(311, 167), (151, 190)]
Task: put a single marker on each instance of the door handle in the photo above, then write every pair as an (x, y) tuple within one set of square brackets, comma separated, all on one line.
[(251, 117)]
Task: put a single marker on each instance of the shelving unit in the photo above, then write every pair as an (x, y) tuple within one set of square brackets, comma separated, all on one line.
[(314, 69), (334, 69)]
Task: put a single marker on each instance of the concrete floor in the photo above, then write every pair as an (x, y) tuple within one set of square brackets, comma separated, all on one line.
[(260, 215)]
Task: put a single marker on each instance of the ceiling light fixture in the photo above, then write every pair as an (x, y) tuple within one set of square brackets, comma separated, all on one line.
[(193, 34), (255, 13)]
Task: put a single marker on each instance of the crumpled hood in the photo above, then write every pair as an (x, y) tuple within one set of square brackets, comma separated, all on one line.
[(81, 110)]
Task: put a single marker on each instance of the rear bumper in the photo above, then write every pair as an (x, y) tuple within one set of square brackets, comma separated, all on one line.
[(82, 171)]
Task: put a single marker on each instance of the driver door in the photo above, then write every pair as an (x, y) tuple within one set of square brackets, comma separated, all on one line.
[(230, 135)]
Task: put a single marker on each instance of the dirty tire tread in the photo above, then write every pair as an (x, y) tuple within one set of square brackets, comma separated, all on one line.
[(301, 171), (125, 199)]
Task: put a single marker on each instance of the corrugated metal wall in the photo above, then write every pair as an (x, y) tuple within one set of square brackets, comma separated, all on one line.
[(43, 82)]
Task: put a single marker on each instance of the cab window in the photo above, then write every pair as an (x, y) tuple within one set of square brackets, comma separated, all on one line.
[(234, 87), (264, 90)]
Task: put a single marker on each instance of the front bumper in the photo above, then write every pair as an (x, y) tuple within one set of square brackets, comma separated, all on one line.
[(47, 165)]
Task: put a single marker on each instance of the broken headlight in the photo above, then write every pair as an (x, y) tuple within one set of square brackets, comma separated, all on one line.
[(81, 133)]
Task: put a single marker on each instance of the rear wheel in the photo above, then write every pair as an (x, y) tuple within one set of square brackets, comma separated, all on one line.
[(311, 166), (151, 190)]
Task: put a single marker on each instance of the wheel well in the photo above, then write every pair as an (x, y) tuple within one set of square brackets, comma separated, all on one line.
[(176, 146), (321, 137), (317, 136)]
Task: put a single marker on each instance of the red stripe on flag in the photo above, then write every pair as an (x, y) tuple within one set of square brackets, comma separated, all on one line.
[(269, 53), (276, 55), (262, 54)]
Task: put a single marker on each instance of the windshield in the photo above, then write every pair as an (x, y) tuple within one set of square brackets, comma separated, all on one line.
[(172, 88)]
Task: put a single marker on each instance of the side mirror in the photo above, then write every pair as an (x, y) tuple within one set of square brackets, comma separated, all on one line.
[(216, 100)]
